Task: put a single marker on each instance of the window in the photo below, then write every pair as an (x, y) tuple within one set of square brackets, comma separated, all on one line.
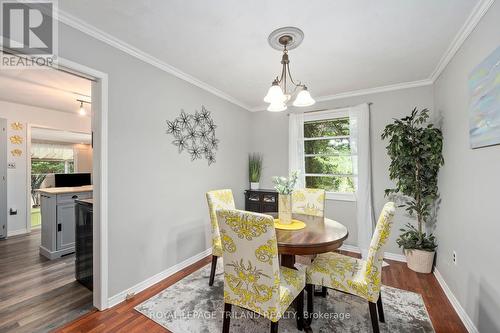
[(43, 166), (328, 160), (46, 159)]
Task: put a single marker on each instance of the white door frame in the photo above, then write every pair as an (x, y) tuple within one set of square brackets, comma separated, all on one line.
[(3, 173), (99, 114)]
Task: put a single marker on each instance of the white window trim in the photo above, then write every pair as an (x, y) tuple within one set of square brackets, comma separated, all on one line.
[(341, 196), (324, 115)]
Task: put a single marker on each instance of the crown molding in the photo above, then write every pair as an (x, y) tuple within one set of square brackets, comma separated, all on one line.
[(470, 24), (376, 90), (361, 92), (98, 34)]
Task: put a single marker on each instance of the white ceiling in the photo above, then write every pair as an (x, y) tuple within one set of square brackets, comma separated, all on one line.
[(52, 135), (348, 45), (45, 88)]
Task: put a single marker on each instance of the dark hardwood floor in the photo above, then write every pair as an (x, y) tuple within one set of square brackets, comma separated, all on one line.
[(123, 317), (37, 294)]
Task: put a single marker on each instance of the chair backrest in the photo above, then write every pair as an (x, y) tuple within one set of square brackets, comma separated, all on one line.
[(308, 201), (218, 199), (373, 269), (250, 255)]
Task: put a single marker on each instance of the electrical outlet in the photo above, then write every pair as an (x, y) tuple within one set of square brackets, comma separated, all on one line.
[(454, 257)]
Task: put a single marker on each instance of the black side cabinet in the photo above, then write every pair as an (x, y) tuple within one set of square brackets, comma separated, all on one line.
[(83, 239), (261, 201)]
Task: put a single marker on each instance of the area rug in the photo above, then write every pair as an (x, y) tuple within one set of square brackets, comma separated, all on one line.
[(191, 306)]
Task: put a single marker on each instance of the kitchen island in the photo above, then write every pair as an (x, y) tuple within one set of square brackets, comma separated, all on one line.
[(58, 218)]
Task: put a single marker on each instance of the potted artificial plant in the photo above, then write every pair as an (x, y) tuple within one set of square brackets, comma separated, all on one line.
[(415, 148), (254, 170)]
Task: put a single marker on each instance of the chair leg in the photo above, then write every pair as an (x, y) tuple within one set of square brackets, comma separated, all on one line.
[(322, 293), (380, 308), (212, 272), (226, 317), (299, 307), (373, 316), (274, 327), (310, 305)]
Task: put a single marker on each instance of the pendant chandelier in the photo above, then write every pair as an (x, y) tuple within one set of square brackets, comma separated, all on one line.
[(279, 95)]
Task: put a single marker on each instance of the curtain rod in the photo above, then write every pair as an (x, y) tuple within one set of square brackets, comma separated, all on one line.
[(327, 109)]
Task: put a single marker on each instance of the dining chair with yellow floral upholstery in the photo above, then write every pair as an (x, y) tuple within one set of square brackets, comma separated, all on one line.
[(355, 276), (253, 278), (217, 199), (308, 201)]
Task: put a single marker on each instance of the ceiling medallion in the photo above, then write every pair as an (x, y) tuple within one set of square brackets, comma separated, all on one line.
[(278, 95)]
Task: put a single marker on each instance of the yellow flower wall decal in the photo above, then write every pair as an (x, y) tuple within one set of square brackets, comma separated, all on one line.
[(16, 140), (16, 152), (17, 126)]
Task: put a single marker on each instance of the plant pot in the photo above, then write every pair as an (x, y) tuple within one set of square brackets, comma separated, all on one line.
[(254, 185), (419, 261), (285, 208)]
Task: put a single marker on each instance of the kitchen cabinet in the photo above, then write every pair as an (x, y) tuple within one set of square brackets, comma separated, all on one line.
[(58, 219)]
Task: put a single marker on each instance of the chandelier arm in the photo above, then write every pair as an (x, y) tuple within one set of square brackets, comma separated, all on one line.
[(282, 80), (291, 79), (281, 76)]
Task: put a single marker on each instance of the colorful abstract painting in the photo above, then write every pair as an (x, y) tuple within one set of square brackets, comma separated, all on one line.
[(484, 109)]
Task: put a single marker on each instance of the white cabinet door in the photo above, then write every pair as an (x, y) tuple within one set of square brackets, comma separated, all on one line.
[(49, 222), (65, 226)]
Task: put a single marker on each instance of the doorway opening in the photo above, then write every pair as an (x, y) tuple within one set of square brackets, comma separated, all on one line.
[(57, 149)]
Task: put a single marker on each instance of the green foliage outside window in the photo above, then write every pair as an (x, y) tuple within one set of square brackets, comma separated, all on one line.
[(46, 166), (40, 168), (334, 155)]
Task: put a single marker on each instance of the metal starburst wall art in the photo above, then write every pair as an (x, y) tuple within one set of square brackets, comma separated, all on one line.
[(195, 134)]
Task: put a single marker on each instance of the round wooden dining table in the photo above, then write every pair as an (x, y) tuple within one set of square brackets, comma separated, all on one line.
[(320, 235)]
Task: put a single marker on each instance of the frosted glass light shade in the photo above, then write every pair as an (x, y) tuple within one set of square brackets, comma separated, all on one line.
[(276, 107), (82, 111), (274, 95), (303, 99)]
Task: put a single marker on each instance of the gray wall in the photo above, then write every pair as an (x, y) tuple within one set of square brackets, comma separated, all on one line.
[(469, 218), (157, 210), (270, 137)]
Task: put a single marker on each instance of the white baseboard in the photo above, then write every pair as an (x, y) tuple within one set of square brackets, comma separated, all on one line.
[(120, 297), (395, 256), (17, 232), (387, 255), (350, 248), (469, 325)]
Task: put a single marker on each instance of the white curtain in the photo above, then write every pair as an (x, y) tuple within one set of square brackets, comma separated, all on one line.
[(296, 146), (359, 123), (51, 151)]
